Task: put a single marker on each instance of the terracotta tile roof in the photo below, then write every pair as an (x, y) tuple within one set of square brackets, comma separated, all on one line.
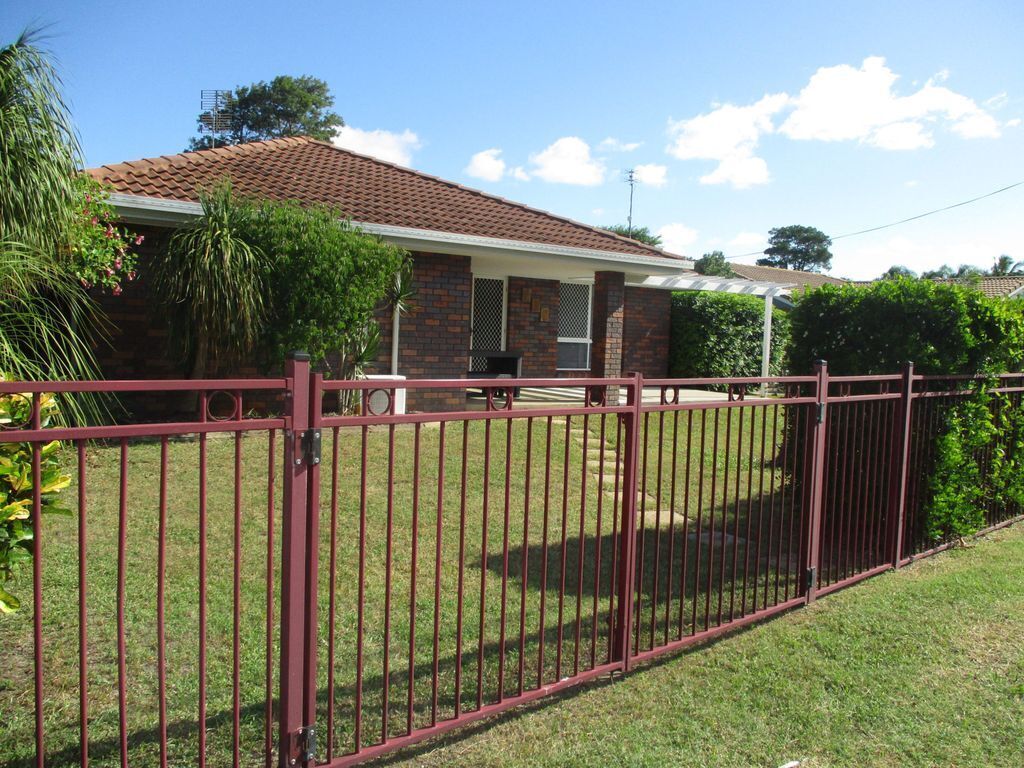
[(776, 275), (991, 286), (364, 188)]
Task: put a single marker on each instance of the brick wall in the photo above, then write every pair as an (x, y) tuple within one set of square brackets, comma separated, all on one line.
[(646, 331), (533, 324), (434, 338), (608, 316)]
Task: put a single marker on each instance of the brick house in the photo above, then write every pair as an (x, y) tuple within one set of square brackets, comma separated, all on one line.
[(497, 283)]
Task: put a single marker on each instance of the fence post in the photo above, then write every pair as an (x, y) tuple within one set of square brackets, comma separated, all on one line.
[(898, 484), (817, 479), (293, 737), (627, 529)]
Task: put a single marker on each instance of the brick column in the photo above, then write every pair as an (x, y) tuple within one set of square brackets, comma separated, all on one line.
[(608, 319)]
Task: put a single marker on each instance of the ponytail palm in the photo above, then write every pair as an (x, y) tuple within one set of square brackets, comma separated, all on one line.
[(212, 284)]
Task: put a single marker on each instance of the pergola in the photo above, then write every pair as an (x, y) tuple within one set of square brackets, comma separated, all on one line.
[(697, 282)]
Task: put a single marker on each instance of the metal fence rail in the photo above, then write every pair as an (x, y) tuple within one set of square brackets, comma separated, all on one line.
[(328, 585)]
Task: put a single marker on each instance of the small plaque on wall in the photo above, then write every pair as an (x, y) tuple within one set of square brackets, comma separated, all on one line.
[(545, 315), (535, 305)]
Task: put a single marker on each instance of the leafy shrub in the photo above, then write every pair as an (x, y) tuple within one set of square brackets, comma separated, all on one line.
[(987, 427), (16, 488), (874, 329), (326, 277), (720, 334)]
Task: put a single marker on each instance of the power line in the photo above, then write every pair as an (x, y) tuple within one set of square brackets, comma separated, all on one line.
[(903, 221)]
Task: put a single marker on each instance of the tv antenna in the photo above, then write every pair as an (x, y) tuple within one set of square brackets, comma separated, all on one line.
[(215, 112), (631, 180)]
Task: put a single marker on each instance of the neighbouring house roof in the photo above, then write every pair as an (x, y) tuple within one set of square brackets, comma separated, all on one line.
[(803, 280), (363, 188), (1010, 286)]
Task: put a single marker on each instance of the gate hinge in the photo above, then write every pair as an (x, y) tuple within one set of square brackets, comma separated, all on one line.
[(812, 575), (301, 748), (309, 447), (821, 413)]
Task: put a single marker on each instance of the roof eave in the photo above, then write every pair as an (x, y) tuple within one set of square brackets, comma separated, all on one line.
[(139, 209)]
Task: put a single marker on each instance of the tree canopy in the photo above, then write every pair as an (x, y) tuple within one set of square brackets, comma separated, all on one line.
[(897, 271), (1005, 266), (286, 106), (640, 234), (798, 247), (946, 272), (713, 263)]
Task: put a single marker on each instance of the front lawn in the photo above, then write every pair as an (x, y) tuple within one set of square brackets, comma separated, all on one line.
[(923, 667)]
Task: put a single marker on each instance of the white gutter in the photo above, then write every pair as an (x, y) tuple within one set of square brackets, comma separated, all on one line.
[(152, 210)]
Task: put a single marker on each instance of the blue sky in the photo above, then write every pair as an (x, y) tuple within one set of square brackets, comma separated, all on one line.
[(744, 116)]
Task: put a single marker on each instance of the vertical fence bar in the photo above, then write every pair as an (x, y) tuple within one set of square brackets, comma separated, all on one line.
[(898, 492), (817, 478), (293, 566), (627, 530), (83, 642)]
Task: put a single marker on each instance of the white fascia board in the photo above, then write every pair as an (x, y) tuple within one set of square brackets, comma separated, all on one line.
[(152, 210), (1017, 293), (693, 282)]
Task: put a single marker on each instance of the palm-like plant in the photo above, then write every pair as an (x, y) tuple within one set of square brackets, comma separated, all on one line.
[(48, 326), (1006, 266), (212, 284)]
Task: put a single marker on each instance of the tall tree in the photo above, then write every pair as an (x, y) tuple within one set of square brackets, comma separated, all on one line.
[(713, 263), (286, 106), (798, 247), (897, 271), (946, 272), (640, 234), (1005, 265)]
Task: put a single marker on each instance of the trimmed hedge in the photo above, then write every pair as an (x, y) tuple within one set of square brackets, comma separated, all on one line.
[(875, 328), (720, 334)]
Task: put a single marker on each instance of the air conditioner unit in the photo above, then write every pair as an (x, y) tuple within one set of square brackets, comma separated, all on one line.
[(376, 402)]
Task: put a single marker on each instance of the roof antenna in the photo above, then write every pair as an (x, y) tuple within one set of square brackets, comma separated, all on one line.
[(631, 180), (215, 113)]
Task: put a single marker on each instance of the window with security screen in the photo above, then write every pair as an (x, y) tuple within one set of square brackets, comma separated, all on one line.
[(574, 326)]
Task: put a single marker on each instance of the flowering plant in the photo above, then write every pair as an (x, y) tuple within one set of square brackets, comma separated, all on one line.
[(99, 251)]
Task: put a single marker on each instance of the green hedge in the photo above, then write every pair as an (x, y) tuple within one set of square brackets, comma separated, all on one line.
[(944, 329), (875, 328), (720, 334)]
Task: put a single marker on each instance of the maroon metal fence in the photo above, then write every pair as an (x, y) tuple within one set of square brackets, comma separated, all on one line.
[(323, 588)]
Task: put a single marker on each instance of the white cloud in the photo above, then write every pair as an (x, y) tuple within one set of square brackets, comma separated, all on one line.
[(486, 165), (1013, 123), (614, 145), (840, 103), (651, 174), (568, 161), (394, 147), (845, 103), (519, 173), (677, 237), (728, 134)]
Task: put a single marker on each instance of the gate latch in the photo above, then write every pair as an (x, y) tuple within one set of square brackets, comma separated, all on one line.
[(301, 748), (821, 413), (309, 447), (812, 576)]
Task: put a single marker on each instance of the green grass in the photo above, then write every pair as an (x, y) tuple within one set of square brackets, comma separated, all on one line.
[(570, 501), (922, 667)]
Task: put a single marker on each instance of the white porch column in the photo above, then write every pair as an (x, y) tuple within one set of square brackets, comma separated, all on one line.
[(395, 315), (766, 340)]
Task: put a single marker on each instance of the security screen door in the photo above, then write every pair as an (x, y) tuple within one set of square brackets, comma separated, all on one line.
[(488, 329)]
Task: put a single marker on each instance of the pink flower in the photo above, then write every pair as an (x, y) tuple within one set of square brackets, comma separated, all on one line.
[(118, 263), (131, 275), (95, 221), (117, 290), (85, 283), (139, 239), (88, 198), (110, 272)]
